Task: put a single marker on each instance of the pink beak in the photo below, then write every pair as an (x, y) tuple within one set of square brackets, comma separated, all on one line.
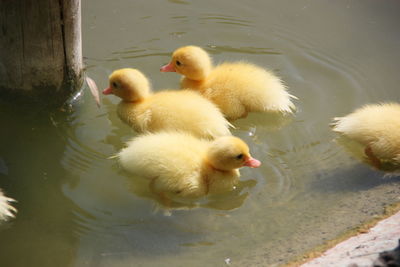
[(168, 68), (252, 163), (107, 91)]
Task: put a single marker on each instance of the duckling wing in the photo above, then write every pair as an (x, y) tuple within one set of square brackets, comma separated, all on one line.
[(143, 120)]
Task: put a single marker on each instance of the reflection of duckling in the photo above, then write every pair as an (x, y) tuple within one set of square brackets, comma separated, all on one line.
[(237, 88), (262, 122), (377, 128), (6, 210), (181, 166), (167, 110)]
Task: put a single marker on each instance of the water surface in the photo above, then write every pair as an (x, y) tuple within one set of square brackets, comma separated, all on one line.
[(78, 208)]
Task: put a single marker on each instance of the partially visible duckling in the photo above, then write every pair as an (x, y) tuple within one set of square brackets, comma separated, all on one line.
[(165, 110), (377, 128), (6, 210), (237, 88), (183, 167)]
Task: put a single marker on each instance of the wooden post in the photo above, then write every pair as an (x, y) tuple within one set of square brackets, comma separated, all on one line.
[(40, 49)]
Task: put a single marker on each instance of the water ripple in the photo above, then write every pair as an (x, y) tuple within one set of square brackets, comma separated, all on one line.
[(218, 49), (225, 19), (134, 54), (79, 158), (343, 68)]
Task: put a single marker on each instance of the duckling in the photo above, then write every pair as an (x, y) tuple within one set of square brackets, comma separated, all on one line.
[(6, 210), (377, 128), (237, 88), (181, 166), (165, 110)]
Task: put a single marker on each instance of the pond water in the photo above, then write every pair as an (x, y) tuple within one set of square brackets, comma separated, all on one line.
[(76, 206)]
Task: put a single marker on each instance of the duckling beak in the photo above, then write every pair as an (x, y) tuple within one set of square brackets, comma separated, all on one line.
[(252, 163), (107, 91), (168, 68)]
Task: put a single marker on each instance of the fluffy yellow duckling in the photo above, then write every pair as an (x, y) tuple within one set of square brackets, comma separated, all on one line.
[(183, 167), (237, 88), (166, 110), (6, 210), (377, 127)]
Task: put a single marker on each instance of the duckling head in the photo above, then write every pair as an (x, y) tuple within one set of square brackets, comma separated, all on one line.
[(129, 84), (190, 61), (228, 153)]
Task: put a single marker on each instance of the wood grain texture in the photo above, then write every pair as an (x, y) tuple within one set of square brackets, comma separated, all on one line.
[(40, 46)]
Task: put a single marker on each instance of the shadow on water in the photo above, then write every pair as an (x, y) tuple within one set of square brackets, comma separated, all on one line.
[(357, 178), (31, 150), (357, 151), (361, 176)]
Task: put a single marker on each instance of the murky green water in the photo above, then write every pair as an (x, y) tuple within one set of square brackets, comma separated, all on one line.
[(77, 208)]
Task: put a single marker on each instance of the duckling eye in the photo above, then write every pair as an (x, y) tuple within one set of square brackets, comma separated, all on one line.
[(114, 84), (178, 63), (240, 156)]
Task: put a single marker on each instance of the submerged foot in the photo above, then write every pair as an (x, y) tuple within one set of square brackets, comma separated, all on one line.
[(372, 158)]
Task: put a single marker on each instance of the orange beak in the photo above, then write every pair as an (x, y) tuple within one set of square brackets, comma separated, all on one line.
[(107, 91), (252, 162), (168, 68)]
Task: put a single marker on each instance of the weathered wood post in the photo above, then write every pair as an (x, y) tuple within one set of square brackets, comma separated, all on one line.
[(40, 49)]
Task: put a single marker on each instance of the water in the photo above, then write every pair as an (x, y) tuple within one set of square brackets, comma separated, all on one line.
[(77, 208)]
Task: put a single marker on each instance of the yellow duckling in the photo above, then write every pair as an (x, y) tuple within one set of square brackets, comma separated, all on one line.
[(6, 210), (166, 110), (183, 167), (377, 127), (237, 88)]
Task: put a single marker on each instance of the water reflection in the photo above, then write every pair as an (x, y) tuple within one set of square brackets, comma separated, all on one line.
[(264, 122), (76, 207), (33, 176), (227, 201)]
